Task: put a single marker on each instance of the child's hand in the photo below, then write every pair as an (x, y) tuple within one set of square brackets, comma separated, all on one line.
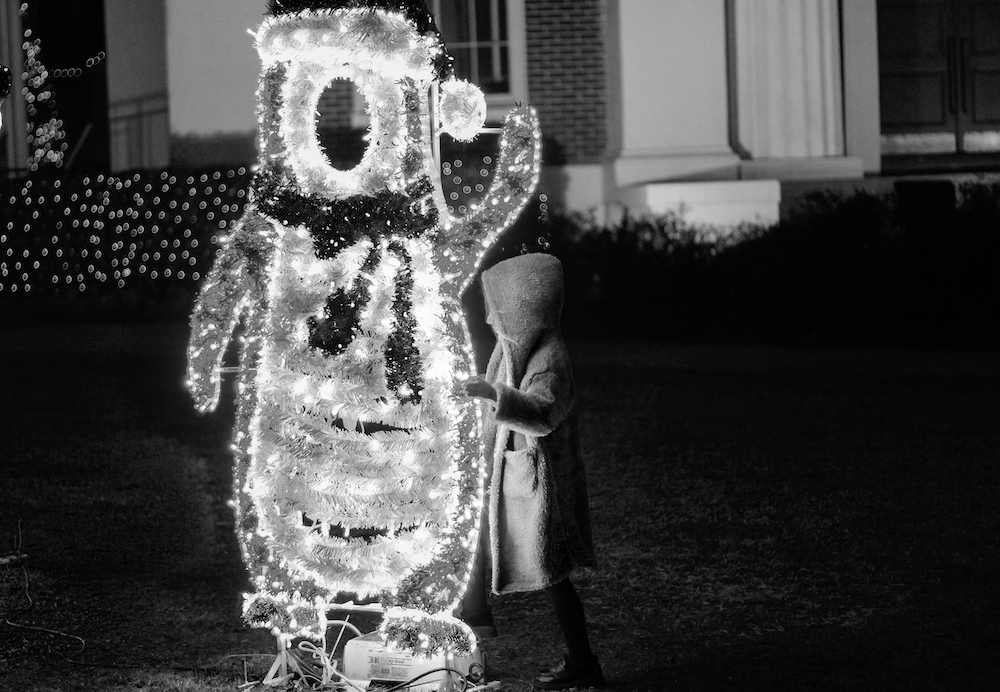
[(480, 387)]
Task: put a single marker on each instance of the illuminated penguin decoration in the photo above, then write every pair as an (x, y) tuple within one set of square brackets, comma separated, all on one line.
[(359, 468)]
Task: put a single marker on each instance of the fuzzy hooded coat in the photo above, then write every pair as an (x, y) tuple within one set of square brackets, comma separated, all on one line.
[(538, 509)]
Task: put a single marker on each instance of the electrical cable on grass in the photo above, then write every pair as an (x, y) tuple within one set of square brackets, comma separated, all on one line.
[(329, 668), (83, 642), (409, 683), (323, 679), (153, 666), (18, 558), (325, 683), (344, 624), (24, 569)]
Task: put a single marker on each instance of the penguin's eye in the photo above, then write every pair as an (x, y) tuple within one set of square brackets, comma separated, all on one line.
[(342, 124)]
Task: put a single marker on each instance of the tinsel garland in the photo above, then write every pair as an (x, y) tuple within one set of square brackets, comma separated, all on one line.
[(414, 10), (359, 466), (378, 168), (402, 358), (318, 462), (228, 295), (342, 312), (342, 320), (414, 631), (270, 100), (462, 109), (440, 582), (382, 41), (463, 248), (338, 223), (412, 163)]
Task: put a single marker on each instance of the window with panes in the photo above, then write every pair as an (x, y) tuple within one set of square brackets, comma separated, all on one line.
[(484, 37)]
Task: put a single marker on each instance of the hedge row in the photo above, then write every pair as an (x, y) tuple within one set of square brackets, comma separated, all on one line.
[(842, 271), (861, 270)]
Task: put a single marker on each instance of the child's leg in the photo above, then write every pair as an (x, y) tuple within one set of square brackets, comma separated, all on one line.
[(579, 668), (572, 621)]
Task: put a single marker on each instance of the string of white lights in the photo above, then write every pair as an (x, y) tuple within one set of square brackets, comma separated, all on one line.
[(359, 467)]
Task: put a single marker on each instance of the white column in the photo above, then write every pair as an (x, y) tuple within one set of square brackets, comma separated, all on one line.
[(790, 91), (671, 75), (862, 118)]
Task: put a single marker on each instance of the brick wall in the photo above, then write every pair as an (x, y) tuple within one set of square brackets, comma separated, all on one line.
[(336, 104), (566, 77), (344, 145)]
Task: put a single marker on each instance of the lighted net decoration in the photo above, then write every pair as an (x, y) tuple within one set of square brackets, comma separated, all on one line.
[(45, 134), (359, 467)]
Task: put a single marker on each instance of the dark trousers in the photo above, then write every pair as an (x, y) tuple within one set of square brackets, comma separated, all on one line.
[(565, 601)]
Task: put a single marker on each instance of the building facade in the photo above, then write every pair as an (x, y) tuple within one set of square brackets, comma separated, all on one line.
[(721, 106)]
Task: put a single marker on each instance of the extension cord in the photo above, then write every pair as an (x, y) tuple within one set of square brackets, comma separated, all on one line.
[(368, 659)]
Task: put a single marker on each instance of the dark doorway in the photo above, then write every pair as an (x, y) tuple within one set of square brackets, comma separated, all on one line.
[(940, 79)]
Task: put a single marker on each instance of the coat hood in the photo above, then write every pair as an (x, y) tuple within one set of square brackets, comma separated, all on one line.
[(524, 298)]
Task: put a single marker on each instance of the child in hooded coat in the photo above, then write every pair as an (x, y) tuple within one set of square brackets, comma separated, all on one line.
[(536, 529)]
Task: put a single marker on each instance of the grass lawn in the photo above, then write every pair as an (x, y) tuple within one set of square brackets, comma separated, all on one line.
[(766, 520)]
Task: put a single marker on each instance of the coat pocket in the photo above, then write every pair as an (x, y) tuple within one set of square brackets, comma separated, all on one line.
[(520, 472)]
